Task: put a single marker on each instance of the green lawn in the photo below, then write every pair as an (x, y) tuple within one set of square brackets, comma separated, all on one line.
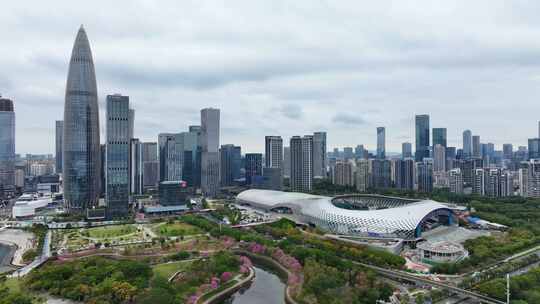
[(168, 269), (13, 284), (111, 231), (176, 229)]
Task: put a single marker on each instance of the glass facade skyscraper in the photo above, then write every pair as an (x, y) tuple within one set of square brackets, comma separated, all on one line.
[(59, 135), (439, 137), (81, 149), (118, 144), (422, 137), (7, 146), (381, 143)]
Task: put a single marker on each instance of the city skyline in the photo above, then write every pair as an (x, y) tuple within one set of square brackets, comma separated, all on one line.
[(393, 75)]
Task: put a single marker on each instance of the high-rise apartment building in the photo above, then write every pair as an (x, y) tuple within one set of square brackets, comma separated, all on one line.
[(274, 152), (301, 163), (381, 143), (59, 127), (422, 137), (455, 178), (210, 151), (362, 175), (81, 145), (319, 155), (343, 173), (118, 158)]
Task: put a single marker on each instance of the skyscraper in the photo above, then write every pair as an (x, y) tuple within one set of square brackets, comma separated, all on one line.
[(230, 162), (210, 151), (422, 137), (467, 144), (163, 141), (301, 163), (274, 152), (476, 147), (359, 152), (439, 158), (508, 151), (135, 170), (404, 174), (286, 162), (424, 172), (149, 165), (7, 147), (58, 139), (439, 137), (81, 147), (319, 155), (406, 150), (253, 167), (118, 147), (381, 143), (534, 148)]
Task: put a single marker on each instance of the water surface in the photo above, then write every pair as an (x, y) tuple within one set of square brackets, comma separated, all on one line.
[(266, 288)]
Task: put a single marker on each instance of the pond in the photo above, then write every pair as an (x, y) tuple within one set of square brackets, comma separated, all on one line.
[(266, 288)]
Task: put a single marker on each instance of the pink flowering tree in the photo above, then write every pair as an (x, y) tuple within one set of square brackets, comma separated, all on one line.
[(214, 283), (226, 276), (257, 248)]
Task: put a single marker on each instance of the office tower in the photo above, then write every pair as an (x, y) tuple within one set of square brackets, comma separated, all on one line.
[(286, 162), (131, 125), (336, 153), (381, 173), (81, 149), (210, 151), (135, 186), (508, 151), (451, 153), (301, 163), (359, 152), (439, 158), (539, 129), (173, 193), (490, 150), (59, 134), (422, 137), (272, 179), (103, 169), (175, 157), (348, 153), (362, 175), (197, 155), (534, 148), (439, 137), (117, 162), (230, 162), (7, 147), (163, 141), (274, 151), (253, 167), (343, 173), (404, 174), (455, 179), (406, 150), (381, 143), (467, 144), (319, 155), (476, 146), (149, 166), (424, 171)]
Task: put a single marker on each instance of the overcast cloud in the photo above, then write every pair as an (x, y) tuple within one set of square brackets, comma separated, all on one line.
[(283, 67)]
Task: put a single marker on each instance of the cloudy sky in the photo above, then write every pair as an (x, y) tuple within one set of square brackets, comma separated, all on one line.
[(283, 67)]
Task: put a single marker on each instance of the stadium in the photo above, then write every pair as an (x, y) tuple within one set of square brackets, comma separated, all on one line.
[(356, 215)]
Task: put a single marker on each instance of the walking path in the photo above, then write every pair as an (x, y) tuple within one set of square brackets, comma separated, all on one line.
[(226, 291)]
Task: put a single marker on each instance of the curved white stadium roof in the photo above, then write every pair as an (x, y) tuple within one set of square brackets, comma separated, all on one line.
[(403, 220)]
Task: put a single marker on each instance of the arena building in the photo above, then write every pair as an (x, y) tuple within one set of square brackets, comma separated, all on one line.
[(441, 252), (371, 216)]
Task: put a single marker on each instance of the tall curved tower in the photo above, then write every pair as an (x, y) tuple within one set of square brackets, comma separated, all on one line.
[(81, 164)]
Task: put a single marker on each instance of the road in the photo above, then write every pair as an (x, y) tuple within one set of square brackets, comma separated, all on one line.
[(397, 274)]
